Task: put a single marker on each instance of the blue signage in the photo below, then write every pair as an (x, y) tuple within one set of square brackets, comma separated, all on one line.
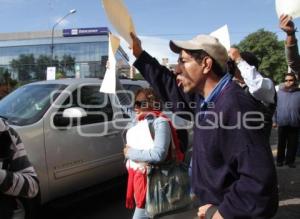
[(85, 31)]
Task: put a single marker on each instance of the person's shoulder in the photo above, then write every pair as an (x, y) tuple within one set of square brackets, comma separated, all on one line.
[(160, 121), (154, 119), (297, 92), (234, 93), (232, 90), (235, 98)]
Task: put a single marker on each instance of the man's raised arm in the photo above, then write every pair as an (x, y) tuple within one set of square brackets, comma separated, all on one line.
[(161, 79)]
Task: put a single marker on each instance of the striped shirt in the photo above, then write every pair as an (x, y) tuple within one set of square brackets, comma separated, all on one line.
[(19, 178)]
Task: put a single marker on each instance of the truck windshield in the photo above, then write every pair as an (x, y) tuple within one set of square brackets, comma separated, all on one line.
[(29, 103)]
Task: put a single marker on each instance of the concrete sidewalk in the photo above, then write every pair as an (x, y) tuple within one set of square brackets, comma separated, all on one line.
[(289, 192), (288, 185)]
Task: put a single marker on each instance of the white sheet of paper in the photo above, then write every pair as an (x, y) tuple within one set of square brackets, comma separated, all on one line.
[(139, 137), (222, 34), (51, 71), (290, 7), (120, 18), (109, 81)]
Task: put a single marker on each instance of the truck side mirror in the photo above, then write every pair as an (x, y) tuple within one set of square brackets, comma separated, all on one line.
[(69, 117)]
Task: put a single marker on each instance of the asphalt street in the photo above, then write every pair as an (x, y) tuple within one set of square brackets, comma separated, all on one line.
[(289, 192)]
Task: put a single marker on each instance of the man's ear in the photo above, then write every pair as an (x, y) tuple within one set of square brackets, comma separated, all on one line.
[(207, 63)]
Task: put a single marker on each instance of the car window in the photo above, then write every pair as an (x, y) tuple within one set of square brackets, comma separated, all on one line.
[(97, 105), (131, 87), (28, 104)]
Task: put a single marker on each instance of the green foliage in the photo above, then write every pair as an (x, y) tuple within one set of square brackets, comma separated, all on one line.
[(59, 75), (42, 62), (67, 64), (30, 68), (6, 78), (269, 51), (6, 81), (24, 66), (3, 75)]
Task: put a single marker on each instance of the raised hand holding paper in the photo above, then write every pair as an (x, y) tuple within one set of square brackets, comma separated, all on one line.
[(118, 15), (222, 34), (109, 81), (289, 7)]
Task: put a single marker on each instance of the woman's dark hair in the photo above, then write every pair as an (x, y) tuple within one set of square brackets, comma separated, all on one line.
[(250, 58), (199, 55), (231, 67), (153, 100)]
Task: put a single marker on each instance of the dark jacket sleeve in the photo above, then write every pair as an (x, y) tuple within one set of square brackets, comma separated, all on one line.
[(164, 83)]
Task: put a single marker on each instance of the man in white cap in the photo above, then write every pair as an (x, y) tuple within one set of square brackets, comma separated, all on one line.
[(233, 172)]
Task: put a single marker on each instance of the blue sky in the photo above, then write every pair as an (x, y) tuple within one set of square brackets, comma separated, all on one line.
[(156, 21)]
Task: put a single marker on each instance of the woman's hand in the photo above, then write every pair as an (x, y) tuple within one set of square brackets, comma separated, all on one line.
[(125, 150)]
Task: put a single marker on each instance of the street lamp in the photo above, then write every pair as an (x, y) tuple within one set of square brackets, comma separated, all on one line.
[(52, 36)]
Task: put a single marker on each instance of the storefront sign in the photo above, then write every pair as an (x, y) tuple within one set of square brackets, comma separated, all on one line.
[(85, 31)]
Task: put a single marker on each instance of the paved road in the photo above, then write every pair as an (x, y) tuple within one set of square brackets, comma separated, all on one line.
[(289, 192), (289, 186)]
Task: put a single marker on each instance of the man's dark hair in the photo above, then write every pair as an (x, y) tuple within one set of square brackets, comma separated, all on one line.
[(250, 58), (291, 75), (199, 55)]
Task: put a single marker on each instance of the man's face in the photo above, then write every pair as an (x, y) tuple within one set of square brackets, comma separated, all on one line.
[(289, 81), (189, 73)]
